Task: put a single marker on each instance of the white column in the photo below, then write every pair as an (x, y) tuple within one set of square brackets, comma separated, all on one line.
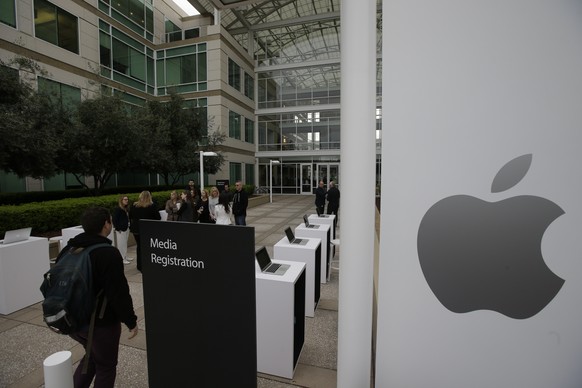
[(358, 158), (58, 370)]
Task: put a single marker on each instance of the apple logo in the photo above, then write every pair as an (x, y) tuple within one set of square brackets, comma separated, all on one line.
[(479, 255)]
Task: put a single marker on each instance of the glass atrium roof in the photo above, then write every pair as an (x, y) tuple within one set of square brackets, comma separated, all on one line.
[(286, 31)]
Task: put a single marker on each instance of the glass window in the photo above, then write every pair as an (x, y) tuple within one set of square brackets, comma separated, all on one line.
[(184, 67), (68, 96), (249, 174), (249, 86), (181, 70), (56, 26), (233, 74), (105, 49), (136, 15), (192, 33), (234, 125), (249, 131), (202, 68), (8, 12), (173, 32), (128, 61), (235, 170)]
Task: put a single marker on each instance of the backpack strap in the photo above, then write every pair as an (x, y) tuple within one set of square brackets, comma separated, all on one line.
[(91, 331), (93, 316)]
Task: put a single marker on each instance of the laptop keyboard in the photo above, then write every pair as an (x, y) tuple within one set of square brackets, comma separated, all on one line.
[(273, 268)]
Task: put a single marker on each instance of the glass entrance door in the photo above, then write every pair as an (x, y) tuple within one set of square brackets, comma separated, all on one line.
[(306, 178), (328, 172)]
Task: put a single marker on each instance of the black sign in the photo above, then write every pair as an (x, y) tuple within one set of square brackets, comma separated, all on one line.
[(220, 184), (199, 302)]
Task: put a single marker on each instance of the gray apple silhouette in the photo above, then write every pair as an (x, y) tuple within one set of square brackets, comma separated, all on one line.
[(479, 255)]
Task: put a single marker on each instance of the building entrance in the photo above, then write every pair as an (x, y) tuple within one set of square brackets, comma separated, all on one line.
[(328, 172)]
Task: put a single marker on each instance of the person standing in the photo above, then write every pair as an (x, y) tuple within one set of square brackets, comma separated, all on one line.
[(186, 208), (117, 307), (121, 226), (333, 199), (203, 209), (212, 202), (222, 210), (143, 209), (229, 193), (320, 194), (240, 202), (172, 207)]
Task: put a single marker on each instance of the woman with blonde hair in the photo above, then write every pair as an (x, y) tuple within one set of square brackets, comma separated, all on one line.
[(143, 209), (121, 226), (202, 208), (172, 207), (212, 202)]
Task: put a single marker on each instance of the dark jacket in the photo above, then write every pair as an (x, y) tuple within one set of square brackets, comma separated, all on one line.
[(240, 202), (333, 197), (186, 212), (120, 219), (320, 196), (142, 213), (108, 275), (204, 215)]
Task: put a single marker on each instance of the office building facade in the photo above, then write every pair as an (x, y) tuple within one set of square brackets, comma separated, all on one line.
[(267, 74)]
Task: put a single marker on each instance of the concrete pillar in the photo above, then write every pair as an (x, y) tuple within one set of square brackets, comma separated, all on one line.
[(358, 161)]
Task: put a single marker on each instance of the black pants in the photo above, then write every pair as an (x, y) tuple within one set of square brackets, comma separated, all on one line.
[(103, 358)]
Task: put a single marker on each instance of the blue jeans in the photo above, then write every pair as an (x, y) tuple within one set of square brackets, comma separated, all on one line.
[(240, 220)]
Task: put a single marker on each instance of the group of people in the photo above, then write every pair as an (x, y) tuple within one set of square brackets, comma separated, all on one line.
[(193, 205), (332, 195), (214, 207)]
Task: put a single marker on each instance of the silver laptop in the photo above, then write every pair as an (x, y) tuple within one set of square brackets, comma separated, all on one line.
[(307, 224), (292, 239), (320, 213), (17, 235), (267, 266)]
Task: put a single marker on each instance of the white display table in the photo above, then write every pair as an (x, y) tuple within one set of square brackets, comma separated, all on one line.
[(310, 254), (328, 219), (323, 232), (280, 308), (22, 266), (69, 233)]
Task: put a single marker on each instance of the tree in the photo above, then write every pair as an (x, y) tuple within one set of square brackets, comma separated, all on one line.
[(31, 124), (102, 142), (179, 133)]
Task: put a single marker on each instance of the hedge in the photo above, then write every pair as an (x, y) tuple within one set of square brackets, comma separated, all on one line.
[(52, 216)]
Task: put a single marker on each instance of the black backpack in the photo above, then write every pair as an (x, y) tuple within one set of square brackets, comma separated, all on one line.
[(69, 302)]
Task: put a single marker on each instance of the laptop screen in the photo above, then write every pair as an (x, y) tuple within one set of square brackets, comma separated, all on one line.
[(12, 236), (290, 235), (263, 258), (306, 220)]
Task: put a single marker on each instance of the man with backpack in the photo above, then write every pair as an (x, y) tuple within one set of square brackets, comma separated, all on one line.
[(113, 305)]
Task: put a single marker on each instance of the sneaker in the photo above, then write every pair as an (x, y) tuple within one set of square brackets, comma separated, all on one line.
[(126, 261), (129, 258)]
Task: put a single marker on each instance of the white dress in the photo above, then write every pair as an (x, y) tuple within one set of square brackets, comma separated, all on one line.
[(222, 217)]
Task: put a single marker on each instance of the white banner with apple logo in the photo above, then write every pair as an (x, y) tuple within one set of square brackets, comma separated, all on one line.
[(481, 230)]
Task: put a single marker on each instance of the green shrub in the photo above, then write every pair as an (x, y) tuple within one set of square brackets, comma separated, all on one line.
[(51, 216)]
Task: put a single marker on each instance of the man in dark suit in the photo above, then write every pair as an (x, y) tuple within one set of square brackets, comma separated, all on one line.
[(320, 198), (240, 202)]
